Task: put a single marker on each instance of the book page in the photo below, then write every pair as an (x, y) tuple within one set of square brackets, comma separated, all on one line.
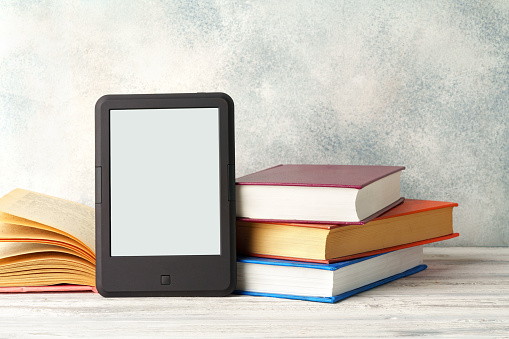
[(43, 279), (75, 219), (19, 233), (37, 266), (11, 249), (45, 268), (48, 289), (39, 260)]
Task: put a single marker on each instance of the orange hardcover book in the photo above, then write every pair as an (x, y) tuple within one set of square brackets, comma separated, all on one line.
[(412, 223)]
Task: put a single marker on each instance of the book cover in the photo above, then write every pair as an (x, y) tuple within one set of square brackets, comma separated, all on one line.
[(347, 176)]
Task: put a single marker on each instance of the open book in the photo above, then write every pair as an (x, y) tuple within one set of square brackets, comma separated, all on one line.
[(45, 241)]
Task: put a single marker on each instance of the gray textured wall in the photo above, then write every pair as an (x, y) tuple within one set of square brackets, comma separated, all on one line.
[(417, 83)]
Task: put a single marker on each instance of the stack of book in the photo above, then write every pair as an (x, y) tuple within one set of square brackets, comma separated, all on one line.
[(326, 232)]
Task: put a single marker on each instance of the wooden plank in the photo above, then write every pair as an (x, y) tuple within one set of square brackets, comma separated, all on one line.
[(464, 292)]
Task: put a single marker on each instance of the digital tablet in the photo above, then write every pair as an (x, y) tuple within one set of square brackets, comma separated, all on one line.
[(165, 195)]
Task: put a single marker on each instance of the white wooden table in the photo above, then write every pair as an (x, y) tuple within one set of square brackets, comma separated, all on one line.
[(463, 293)]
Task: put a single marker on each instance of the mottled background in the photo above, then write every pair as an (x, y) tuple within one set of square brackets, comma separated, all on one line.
[(422, 84)]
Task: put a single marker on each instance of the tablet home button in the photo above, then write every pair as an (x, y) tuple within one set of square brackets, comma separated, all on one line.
[(165, 280)]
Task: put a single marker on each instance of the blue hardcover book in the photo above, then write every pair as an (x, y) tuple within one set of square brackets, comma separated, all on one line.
[(324, 282)]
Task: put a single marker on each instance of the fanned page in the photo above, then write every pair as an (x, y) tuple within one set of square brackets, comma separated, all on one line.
[(50, 213), (32, 234), (45, 241), (49, 268), (11, 249)]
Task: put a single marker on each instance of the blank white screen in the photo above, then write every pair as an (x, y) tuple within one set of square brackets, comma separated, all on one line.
[(164, 181)]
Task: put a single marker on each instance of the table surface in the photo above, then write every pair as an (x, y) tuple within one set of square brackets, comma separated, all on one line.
[(463, 293)]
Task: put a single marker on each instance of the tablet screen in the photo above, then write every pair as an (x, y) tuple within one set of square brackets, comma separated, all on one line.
[(165, 184)]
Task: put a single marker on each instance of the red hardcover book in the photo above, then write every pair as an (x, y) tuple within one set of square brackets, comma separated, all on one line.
[(412, 223), (341, 194)]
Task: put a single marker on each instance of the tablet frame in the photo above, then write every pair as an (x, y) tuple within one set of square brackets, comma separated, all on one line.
[(190, 275)]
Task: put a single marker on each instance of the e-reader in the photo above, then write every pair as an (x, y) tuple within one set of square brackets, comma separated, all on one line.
[(165, 195)]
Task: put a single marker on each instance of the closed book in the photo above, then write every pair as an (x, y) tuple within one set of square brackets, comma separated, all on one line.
[(412, 223), (318, 193), (324, 282)]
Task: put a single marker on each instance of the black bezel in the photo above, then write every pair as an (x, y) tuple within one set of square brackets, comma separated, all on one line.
[(197, 275)]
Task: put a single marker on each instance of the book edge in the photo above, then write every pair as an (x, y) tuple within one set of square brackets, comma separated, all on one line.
[(326, 224), (48, 289), (359, 255)]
